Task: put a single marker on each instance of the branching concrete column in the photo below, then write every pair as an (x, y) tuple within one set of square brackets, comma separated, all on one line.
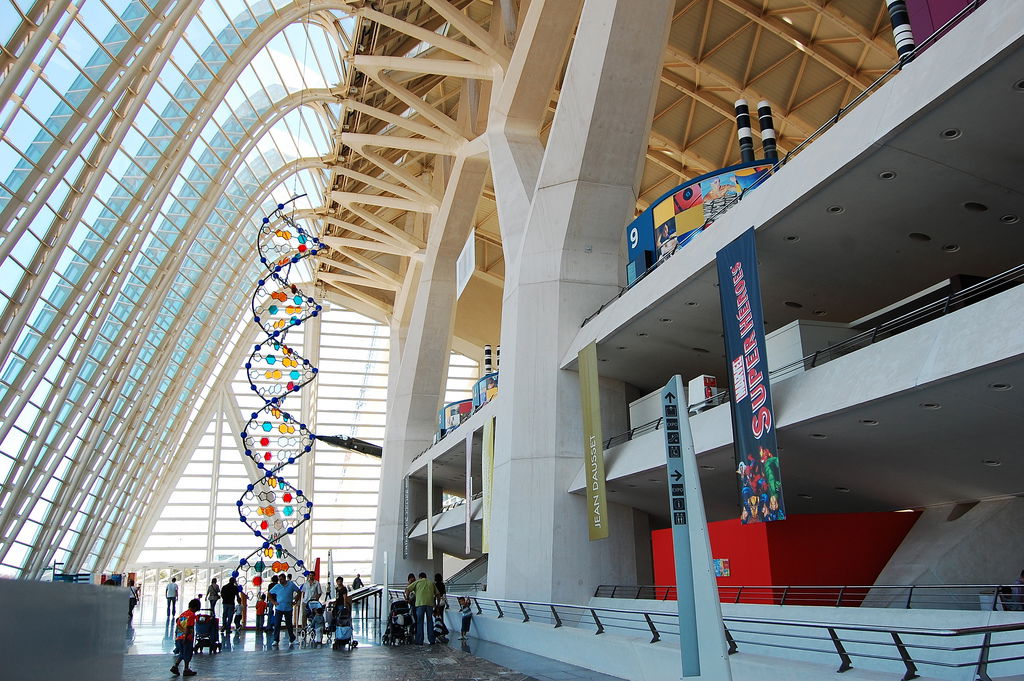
[(418, 387), (569, 265), (517, 113)]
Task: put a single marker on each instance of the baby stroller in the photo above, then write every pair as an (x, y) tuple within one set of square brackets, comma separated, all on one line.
[(401, 624), (315, 624), (207, 633), (342, 620)]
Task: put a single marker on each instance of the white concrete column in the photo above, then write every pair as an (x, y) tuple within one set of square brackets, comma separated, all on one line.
[(569, 265), (418, 386)]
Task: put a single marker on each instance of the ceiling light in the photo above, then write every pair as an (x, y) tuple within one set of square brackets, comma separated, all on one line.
[(951, 248), (930, 405), (951, 133), (652, 480), (642, 334), (621, 347), (1009, 219), (705, 467), (665, 320), (692, 303), (792, 238), (793, 304), (805, 496), (820, 313), (602, 360), (819, 436), (887, 175), (994, 463), (1019, 86), (975, 207), (918, 236), (844, 490), (701, 350), (1000, 387), (868, 422), (835, 209)]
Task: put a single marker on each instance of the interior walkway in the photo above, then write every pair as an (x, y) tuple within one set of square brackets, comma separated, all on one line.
[(245, 657)]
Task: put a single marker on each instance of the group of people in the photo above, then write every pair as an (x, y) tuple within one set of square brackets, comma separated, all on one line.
[(278, 601), (429, 598)]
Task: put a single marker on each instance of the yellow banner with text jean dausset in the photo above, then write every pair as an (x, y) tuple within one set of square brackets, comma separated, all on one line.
[(593, 444)]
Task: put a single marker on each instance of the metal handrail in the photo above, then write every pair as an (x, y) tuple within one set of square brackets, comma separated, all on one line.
[(910, 654), (842, 111), (916, 595)]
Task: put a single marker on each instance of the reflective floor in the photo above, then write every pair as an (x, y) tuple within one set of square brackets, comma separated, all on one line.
[(247, 656)]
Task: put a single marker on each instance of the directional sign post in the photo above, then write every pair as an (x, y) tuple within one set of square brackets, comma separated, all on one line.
[(701, 636)]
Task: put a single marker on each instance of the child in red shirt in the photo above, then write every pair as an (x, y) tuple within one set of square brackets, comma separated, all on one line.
[(261, 611), (184, 637)]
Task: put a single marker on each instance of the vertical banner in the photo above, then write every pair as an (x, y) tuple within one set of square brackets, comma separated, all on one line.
[(430, 510), (469, 489), (593, 444), (405, 517), (702, 644), (487, 461), (753, 419)]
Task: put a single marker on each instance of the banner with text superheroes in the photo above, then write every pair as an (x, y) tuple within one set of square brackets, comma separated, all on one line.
[(753, 419)]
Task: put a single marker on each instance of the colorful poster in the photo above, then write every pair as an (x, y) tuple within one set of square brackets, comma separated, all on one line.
[(722, 567), (593, 444), (753, 418), (676, 217)]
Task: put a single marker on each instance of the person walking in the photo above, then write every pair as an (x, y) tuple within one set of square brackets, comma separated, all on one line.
[(426, 598), (228, 594), (213, 595), (284, 592), (133, 598), (171, 592), (357, 583), (184, 637), (312, 597)]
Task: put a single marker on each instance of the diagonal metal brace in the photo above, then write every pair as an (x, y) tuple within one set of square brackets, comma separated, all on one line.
[(600, 627), (654, 630), (905, 655), (843, 655)]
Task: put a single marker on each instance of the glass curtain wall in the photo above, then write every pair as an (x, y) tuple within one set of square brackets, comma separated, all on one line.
[(141, 140)]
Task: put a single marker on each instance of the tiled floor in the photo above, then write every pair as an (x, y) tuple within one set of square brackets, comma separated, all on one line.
[(247, 658)]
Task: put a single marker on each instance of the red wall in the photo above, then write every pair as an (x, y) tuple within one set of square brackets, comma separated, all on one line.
[(803, 550)]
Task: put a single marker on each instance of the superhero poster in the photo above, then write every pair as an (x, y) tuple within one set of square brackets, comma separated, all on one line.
[(753, 417)]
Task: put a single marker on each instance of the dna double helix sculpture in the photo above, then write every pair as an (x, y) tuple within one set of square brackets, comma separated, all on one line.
[(271, 507)]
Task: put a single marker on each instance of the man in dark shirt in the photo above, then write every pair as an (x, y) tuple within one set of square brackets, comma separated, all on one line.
[(228, 594)]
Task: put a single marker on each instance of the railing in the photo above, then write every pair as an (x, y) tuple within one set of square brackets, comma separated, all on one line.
[(908, 647), (907, 596), (616, 440), (361, 597), (842, 111)]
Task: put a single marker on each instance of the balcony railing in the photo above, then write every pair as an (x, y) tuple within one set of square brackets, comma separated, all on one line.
[(907, 647), (911, 596)]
